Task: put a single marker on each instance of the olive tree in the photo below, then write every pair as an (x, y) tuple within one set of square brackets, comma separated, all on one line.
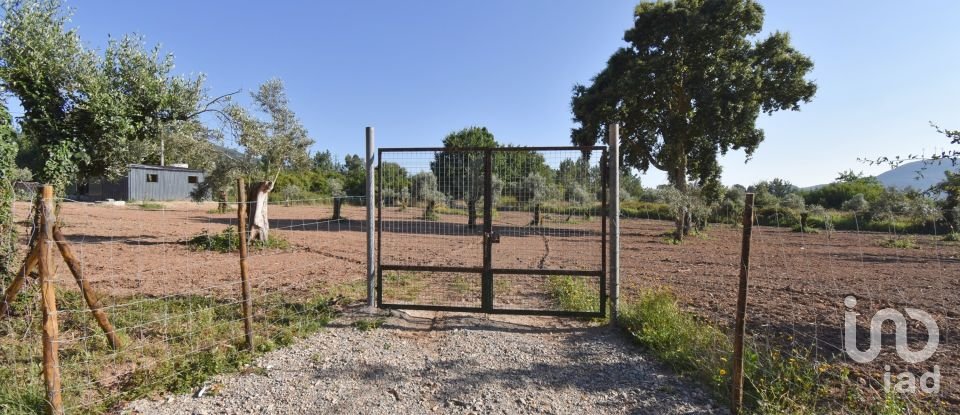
[(460, 174), (424, 190)]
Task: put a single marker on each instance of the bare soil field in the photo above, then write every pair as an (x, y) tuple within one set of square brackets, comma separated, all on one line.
[(797, 284)]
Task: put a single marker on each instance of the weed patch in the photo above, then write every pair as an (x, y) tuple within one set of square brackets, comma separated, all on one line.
[(899, 242), (775, 381), (368, 324), (574, 294), (151, 206), (229, 241), (170, 345)]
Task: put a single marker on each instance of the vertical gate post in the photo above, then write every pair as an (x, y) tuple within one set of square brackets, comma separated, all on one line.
[(244, 280), (613, 162), (51, 356), (736, 389), (371, 268), (486, 302)]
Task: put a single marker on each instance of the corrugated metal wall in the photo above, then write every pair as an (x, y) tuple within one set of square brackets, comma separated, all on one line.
[(166, 183)]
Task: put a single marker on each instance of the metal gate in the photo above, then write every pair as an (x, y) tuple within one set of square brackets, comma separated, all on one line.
[(504, 230)]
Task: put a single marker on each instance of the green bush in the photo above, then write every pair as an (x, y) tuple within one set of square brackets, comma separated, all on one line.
[(899, 242), (833, 195), (952, 237), (574, 294), (229, 241)]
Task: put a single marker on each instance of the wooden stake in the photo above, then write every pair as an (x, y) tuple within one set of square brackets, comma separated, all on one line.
[(736, 390), (88, 294), (29, 263), (244, 281), (51, 358)]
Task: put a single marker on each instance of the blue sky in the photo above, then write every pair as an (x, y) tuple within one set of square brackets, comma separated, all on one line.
[(416, 70)]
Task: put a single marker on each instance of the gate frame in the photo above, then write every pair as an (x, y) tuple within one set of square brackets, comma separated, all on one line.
[(486, 271)]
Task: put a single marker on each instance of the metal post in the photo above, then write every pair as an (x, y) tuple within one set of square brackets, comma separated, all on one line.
[(247, 306), (613, 143), (486, 283), (51, 355), (736, 390), (371, 268)]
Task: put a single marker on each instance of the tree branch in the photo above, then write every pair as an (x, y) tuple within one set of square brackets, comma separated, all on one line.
[(206, 107)]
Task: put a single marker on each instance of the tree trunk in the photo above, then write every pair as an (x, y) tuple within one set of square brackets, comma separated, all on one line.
[(678, 177), (222, 202), (258, 217), (536, 215), (337, 202), (428, 213), (471, 213)]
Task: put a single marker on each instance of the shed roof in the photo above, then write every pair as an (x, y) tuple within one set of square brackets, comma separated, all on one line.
[(164, 168)]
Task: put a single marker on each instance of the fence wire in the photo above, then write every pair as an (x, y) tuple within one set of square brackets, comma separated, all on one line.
[(545, 210), (800, 285), (167, 276)]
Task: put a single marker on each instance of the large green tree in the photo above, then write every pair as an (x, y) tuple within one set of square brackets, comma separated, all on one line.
[(689, 87), (460, 174), (8, 233), (88, 115)]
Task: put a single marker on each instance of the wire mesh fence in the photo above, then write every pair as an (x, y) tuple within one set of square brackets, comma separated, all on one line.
[(168, 278), (491, 229), (807, 284)]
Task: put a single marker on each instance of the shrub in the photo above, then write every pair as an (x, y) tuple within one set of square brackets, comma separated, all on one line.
[(857, 203), (899, 243), (229, 241), (833, 195), (952, 237), (574, 294)]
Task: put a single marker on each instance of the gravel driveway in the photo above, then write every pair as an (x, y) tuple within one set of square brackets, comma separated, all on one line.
[(445, 363)]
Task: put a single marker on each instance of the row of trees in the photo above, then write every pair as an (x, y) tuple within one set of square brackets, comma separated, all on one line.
[(89, 115), (852, 201)]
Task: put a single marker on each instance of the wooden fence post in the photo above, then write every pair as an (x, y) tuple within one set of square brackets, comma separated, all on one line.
[(736, 389), (88, 294), (51, 358), (244, 281)]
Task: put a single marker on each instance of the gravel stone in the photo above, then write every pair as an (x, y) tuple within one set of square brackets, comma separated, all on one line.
[(424, 363)]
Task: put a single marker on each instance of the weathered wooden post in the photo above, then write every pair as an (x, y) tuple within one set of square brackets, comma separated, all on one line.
[(88, 294), (371, 268), (51, 358), (33, 257), (736, 389), (244, 280), (613, 157)]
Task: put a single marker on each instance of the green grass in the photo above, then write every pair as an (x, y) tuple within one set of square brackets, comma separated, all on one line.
[(229, 241), (369, 324), (172, 344), (574, 293), (777, 381), (399, 286), (151, 206), (214, 211), (806, 229), (899, 242)]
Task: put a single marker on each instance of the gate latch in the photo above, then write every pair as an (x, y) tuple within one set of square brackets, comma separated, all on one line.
[(494, 237)]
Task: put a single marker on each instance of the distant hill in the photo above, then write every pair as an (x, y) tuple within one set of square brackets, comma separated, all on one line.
[(919, 175), (916, 175)]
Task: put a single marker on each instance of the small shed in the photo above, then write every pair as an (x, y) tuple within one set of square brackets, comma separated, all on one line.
[(144, 182)]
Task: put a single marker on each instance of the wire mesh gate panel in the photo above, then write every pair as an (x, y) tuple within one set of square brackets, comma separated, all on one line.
[(538, 246)]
